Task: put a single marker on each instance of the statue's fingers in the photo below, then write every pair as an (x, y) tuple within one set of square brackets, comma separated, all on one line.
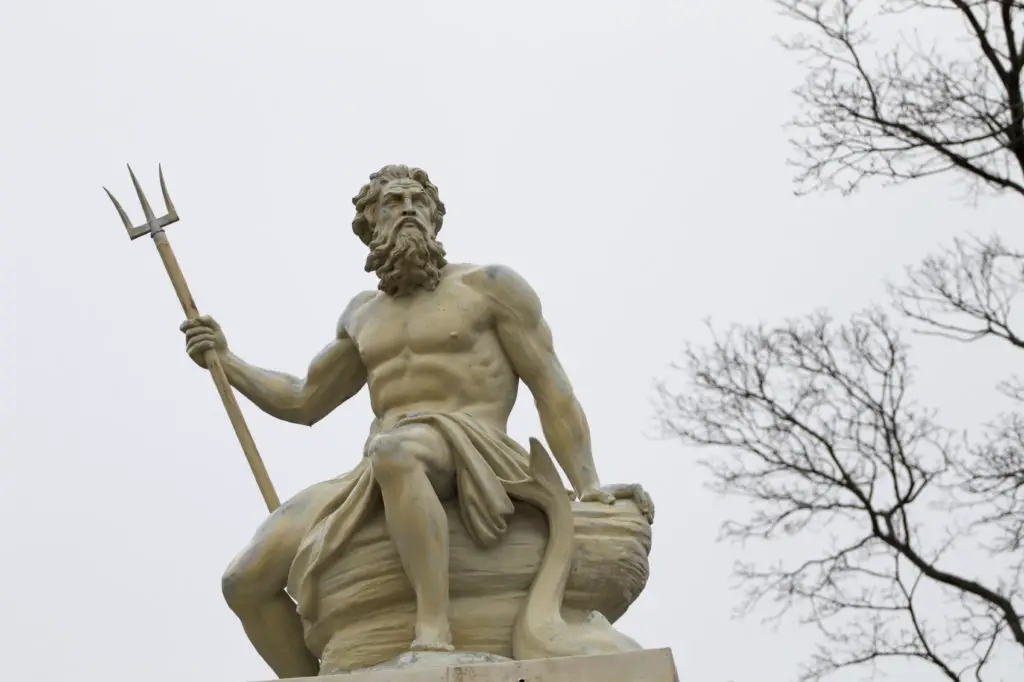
[(200, 347), (646, 505), (200, 335)]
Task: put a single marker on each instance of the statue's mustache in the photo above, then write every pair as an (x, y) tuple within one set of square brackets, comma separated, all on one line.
[(402, 231), (410, 222)]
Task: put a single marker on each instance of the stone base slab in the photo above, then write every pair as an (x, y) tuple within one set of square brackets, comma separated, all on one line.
[(653, 665)]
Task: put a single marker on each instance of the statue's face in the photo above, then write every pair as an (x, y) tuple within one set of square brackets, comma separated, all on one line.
[(403, 252), (403, 206)]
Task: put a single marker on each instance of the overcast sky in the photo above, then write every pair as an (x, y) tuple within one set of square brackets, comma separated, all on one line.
[(626, 157)]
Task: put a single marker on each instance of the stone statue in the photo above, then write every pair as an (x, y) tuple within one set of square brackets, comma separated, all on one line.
[(442, 348)]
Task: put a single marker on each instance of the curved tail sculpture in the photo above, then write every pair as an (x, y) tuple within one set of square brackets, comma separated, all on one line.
[(540, 631)]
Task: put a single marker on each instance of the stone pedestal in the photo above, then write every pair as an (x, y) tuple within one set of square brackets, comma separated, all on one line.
[(654, 665)]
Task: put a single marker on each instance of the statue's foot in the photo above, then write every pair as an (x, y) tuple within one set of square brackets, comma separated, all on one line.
[(432, 639)]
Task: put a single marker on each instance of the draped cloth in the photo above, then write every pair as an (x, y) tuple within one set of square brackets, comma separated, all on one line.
[(486, 460)]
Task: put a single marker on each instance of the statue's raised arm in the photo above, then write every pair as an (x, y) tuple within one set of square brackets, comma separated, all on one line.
[(334, 375)]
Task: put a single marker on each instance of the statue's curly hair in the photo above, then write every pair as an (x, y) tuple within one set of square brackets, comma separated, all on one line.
[(366, 201)]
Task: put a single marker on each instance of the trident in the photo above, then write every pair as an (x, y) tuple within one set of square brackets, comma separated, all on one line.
[(154, 227)]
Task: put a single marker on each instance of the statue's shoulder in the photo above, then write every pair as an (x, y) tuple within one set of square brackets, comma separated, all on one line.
[(491, 276), (349, 316), (503, 284)]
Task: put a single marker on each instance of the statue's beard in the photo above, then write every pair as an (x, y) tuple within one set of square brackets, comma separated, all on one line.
[(406, 259)]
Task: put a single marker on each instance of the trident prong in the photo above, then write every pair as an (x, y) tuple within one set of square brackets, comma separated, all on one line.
[(153, 225), (168, 204)]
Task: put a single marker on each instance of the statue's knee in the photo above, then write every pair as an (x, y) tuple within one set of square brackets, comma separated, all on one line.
[(240, 587), (391, 458)]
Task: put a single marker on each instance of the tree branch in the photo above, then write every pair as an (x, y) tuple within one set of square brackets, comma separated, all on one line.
[(909, 106)]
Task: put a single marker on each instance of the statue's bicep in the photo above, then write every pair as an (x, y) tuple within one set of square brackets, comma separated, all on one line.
[(531, 352)]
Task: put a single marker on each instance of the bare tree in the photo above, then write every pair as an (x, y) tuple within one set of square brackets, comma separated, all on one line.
[(814, 423), (903, 89), (966, 293)]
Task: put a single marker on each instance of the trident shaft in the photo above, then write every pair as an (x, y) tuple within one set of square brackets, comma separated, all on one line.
[(154, 227)]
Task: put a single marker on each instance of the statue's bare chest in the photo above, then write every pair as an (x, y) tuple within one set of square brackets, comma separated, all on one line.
[(449, 320)]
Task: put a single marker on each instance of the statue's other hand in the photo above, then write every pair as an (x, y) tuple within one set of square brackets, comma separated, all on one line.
[(597, 495), (203, 334), (607, 494)]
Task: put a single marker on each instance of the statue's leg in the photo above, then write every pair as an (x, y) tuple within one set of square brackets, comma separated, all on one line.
[(254, 585), (415, 471)]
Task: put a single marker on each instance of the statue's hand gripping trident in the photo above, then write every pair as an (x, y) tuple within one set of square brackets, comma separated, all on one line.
[(154, 227)]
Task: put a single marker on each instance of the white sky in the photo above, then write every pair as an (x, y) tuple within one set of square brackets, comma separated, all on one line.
[(626, 157)]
